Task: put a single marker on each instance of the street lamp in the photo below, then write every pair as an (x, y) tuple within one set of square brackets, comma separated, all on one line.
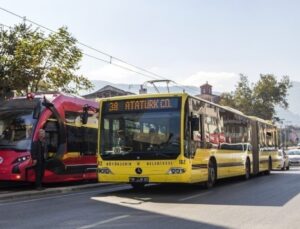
[(286, 133)]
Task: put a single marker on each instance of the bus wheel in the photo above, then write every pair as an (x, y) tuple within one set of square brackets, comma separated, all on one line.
[(288, 167), (269, 167), (137, 186), (247, 169), (212, 174)]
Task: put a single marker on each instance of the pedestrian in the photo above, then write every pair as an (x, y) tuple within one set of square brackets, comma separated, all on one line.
[(38, 154)]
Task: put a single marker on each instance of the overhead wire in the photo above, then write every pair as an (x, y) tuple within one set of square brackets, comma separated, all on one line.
[(111, 57), (118, 65)]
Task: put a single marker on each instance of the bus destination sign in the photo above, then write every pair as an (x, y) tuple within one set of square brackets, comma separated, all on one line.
[(141, 105)]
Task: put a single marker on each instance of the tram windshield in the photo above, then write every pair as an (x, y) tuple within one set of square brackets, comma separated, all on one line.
[(16, 125)]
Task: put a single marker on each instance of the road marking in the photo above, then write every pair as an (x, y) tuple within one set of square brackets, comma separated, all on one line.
[(104, 221), (195, 196)]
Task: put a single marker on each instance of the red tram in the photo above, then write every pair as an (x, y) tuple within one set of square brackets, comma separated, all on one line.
[(71, 145)]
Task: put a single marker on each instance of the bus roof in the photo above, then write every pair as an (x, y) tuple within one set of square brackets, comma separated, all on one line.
[(268, 122), (156, 95), (184, 94)]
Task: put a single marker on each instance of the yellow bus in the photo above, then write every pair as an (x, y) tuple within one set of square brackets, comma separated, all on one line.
[(178, 138)]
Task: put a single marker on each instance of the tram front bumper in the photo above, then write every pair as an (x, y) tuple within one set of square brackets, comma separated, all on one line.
[(8, 176)]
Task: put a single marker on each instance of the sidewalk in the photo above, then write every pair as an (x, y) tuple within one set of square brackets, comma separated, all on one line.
[(49, 190)]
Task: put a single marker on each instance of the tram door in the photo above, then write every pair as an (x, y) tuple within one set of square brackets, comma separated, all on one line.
[(54, 162)]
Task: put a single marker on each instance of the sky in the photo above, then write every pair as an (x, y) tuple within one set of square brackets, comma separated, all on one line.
[(188, 41)]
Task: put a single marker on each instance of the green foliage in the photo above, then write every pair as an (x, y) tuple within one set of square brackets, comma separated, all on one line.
[(258, 99), (33, 61)]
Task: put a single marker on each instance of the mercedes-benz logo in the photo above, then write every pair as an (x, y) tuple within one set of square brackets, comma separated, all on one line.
[(138, 170), (1, 160)]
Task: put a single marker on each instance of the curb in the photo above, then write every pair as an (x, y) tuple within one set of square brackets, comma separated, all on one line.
[(47, 191)]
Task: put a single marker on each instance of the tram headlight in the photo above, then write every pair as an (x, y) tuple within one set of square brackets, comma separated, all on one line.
[(176, 170), (104, 171), (21, 159)]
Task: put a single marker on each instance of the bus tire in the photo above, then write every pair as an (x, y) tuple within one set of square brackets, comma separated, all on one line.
[(212, 174), (288, 167), (269, 167), (138, 186), (247, 169)]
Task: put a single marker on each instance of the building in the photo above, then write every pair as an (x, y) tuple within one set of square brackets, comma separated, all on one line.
[(107, 91), (206, 93)]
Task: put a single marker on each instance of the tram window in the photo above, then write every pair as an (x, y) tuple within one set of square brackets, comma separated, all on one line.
[(89, 141), (51, 128), (80, 138), (74, 138), (71, 116)]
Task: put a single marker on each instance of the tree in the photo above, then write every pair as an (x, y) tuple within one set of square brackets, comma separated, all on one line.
[(32, 61), (258, 99)]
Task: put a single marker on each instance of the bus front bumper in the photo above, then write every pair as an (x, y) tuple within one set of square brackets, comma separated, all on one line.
[(133, 178)]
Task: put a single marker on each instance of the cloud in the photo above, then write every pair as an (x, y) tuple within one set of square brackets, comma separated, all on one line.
[(115, 74), (221, 81)]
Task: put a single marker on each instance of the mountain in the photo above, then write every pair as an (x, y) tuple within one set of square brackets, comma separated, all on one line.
[(291, 116), (134, 88)]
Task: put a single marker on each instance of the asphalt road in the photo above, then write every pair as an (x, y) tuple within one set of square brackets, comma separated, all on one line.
[(17, 188), (262, 202)]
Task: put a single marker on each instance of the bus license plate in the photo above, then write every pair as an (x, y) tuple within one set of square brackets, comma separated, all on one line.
[(139, 179)]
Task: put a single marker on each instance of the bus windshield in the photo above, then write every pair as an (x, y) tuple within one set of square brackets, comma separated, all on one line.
[(143, 135), (16, 127)]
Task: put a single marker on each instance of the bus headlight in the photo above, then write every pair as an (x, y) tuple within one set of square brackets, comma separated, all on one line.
[(176, 170), (104, 171)]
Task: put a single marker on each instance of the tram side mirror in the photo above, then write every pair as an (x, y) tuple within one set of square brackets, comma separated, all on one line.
[(85, 114), (84, 117)]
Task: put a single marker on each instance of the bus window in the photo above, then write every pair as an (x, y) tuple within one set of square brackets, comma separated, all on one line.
[(197, 131), (194, 134), (195, 128)]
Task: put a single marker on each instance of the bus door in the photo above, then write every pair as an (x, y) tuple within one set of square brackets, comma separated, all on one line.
[(195, 137), (196, 146)]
